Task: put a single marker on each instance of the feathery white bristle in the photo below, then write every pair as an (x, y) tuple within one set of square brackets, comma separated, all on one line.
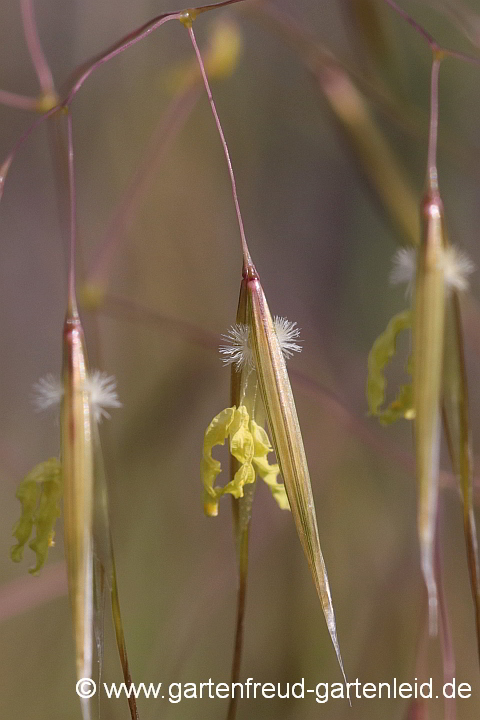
[(48, 392), (100, 387), (455, 263), (404, 265), (238, 351), (287, 333), (457, 266)]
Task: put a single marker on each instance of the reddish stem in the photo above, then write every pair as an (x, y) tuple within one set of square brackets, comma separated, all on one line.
[(246, 253), (73, 217), (416, 26), (119, 47), (127, 41), (436, 48), (432, 175), (27, 134)]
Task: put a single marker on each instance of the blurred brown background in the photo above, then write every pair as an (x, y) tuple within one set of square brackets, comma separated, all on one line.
[(322, 245)]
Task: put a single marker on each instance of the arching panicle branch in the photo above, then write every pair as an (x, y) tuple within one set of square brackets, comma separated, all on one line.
[(84, 71), (247, 260), (72, 301), (432, 175), (434, 45)]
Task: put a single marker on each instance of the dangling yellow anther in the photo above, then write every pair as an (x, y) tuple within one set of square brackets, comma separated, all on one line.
[(249, 445)]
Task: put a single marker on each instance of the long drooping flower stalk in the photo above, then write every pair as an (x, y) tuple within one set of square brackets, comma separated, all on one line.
[(264, 378), (84, 397), (436, 272)]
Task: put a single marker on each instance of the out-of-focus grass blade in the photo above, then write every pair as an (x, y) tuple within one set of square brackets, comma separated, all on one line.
[(366, 22), (385, 175), (376, 159), (288, 443), (105, 573), (78, 476), (455, 415), (428, 347), (393, 190)]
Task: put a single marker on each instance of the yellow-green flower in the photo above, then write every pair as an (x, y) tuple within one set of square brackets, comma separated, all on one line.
[(250, 446)]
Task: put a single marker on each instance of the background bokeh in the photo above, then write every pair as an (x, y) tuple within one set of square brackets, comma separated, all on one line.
[(322, 244)]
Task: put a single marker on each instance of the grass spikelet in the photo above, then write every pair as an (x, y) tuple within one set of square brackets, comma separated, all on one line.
[(287, 440), (272, 378), (90, 560), (428, 348), (78, 468)]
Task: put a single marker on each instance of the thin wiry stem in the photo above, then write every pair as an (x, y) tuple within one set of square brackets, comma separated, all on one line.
[(73, 215), (21, 102), (448, 655), (434, 45), (465, 19), (246, 253), (35, 49), (27, 134), (432, 175), (213, 6), (126, 42), (240, 619), (84, 71), (416, 26)]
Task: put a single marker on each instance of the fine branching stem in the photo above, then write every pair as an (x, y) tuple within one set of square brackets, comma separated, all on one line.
[(214, 6), (416, 26), (432, 175), (434, 45), (246, 254), (73, 215), (240, 619), (29, 131), (84, 71), (116, 49)]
